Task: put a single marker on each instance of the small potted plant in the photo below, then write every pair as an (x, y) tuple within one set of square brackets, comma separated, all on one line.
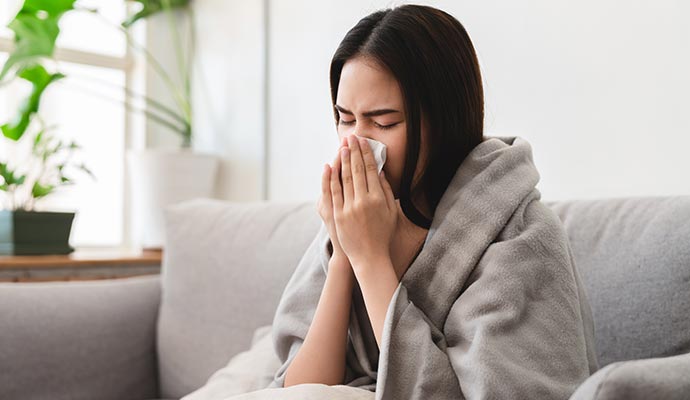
[(48, 166)]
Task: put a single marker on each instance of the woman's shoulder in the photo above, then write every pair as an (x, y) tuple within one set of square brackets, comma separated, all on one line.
[(533, 245), (534, 222)]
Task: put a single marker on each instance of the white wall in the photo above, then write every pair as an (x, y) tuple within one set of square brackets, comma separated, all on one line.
[(600, 89), (228, 93)]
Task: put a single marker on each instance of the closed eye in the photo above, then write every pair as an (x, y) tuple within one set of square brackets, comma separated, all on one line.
[(384, 127), (389, 126)]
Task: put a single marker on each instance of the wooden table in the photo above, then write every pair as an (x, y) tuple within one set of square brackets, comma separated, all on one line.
[(80, 265)]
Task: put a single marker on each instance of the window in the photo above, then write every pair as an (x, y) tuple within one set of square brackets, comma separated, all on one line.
[(88, 107)]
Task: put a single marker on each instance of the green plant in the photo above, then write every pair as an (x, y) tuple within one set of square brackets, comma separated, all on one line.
[(178, 121), (40, 79), (50, 165), (36, 29)]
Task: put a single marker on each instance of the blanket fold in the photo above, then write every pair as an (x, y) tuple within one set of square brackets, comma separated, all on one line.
[(492, 307)]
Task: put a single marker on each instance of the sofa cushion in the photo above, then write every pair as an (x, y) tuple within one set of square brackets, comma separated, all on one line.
[(634, 258), (666, 378), (225, 266), (249, 370), (79, 340)]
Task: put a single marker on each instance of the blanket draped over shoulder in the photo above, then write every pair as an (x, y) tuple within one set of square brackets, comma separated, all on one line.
[(492, 307)]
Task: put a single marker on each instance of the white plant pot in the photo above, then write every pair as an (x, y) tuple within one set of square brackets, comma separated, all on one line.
[(159, 178)]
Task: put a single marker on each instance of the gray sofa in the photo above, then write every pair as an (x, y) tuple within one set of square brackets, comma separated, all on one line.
[(225, 265)]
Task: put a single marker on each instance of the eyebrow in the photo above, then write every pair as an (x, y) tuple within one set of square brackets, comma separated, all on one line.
[(372, 113)]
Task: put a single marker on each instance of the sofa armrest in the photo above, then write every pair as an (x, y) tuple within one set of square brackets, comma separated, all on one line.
[(651, 378), (79, 339)]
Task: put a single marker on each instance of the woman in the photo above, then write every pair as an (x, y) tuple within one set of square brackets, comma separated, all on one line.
[(444, 276)]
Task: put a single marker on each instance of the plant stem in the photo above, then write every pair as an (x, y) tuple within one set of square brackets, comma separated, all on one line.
[(182, 102), (181, 66), (31, 200), (191, 51), (131, 93), (149, 114), (177, 42)]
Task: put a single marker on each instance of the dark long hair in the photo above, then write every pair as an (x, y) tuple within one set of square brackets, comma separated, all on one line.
[(431, 56)]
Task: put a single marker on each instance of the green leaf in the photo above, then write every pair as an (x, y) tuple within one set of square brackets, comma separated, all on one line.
[(56, 148), (35, 30), (4, 172), (8, 176), (151, 7), (88, 171), (51, 7), (37, 139), (34, 38), (40, 79), (41, 191)]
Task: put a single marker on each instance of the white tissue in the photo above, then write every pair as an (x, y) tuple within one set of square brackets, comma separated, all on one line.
[(379, 150)]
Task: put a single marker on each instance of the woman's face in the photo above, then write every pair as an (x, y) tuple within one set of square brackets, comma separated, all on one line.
[(370, 104)]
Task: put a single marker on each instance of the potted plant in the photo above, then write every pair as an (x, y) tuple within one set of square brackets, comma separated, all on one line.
[(161, 177), (157, 177), (49, 164)]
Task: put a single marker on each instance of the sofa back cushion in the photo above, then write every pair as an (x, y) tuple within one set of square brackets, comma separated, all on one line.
[(633, 255), (225, 265)]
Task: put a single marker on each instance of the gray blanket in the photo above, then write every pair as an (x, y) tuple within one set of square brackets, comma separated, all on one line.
[(492, 308)]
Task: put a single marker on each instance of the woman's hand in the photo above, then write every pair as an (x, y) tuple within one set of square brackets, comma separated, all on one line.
[(364, 207), (325, 206)]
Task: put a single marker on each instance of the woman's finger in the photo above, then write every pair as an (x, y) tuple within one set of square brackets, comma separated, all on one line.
[(326, 185), (370, 166), (336, 189), (338, 165), (348, 189), (359, 178)]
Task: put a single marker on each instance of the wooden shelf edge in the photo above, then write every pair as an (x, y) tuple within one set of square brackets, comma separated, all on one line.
[(83, 258)]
